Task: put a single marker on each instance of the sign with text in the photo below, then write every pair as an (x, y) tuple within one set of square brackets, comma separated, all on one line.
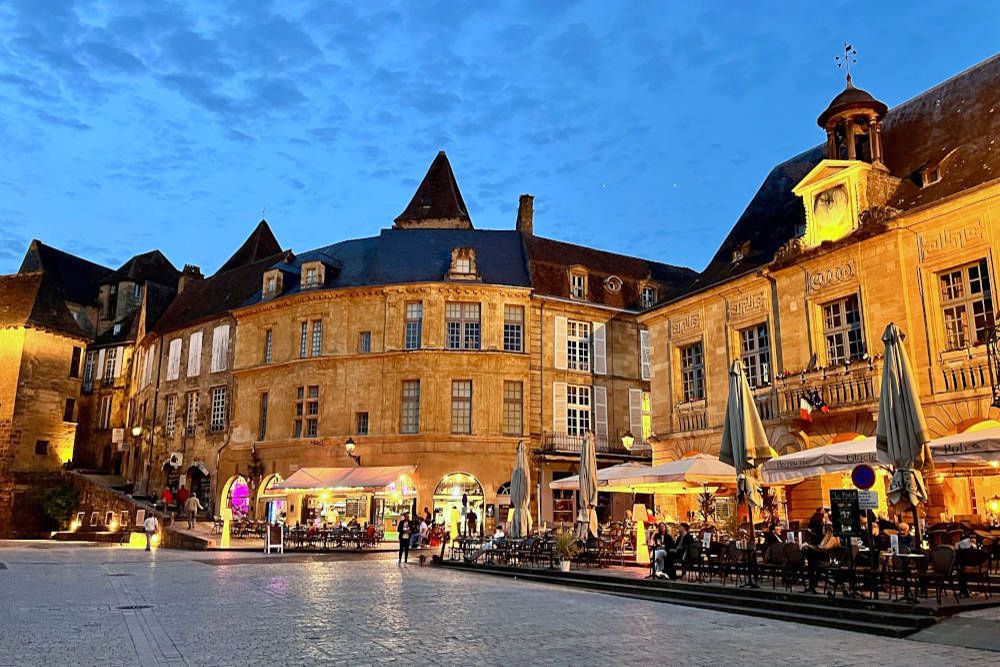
[(867, 500), (845, 512)]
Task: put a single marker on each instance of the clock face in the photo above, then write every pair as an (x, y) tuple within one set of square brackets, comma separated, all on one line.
[(830, 213)]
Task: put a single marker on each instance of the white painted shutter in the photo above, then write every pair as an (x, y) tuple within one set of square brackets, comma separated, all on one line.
[(174, 359), (119, 361), (644, 354), (100, 364), (194, 354), (560, 343), (600, 349), (601, 413), (220, 348), (148, 368), (559, 406), (635, 413)]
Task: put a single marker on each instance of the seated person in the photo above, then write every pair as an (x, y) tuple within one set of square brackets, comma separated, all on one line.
[(771, 536), (905, 536), (819, 554), (662, 544), (353, 523)]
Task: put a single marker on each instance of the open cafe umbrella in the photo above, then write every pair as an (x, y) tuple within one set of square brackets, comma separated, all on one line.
[(901, 434), (744, 443), (586, 515), (519, 489)]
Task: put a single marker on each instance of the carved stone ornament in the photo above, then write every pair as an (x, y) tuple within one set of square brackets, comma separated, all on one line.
[(685, 324), (832, 275), (791, 248), (876, 215)]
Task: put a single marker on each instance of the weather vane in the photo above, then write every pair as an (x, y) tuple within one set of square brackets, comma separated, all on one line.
[(844, 60)]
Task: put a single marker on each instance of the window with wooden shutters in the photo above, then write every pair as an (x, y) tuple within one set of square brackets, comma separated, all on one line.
[(560, 342), (174, 359), (559, 407), (578, 345), (635, 412), (220, 348), (577, 409), (644, 365), (600, 348), (170, 415), (194, 354), (601, 413)]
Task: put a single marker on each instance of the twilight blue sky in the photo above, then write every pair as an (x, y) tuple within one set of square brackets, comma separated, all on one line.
[(640, 127)]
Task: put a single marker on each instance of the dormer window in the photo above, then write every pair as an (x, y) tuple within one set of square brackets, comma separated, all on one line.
[(117, 328), (930, 175), (740, 253), (463, 265), (313, 275), (272, 283), (578, 285), (647, 297)]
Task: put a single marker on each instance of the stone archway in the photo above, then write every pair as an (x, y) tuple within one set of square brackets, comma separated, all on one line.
[(236, 495)]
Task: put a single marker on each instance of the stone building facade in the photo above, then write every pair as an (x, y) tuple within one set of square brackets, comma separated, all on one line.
[(894, 219)]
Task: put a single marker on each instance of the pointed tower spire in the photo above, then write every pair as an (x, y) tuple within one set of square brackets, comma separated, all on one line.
[(261, 244), (437, 203)]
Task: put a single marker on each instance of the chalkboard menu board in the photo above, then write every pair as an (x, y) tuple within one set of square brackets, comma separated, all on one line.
[(845, 513)]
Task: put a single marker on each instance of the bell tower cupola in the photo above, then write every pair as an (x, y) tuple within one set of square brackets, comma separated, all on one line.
[(853, 124)]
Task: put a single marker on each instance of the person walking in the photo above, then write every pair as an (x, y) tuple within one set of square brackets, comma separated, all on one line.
[(192, 506), (403, 531), (168, 499), (182, 496), (150, 526)]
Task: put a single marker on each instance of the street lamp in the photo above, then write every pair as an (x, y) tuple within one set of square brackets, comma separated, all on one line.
[(349, 447), (628, 440), (136, 431)]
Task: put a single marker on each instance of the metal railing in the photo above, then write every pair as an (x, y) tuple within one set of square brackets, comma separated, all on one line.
[(854, 386), (564, 443)]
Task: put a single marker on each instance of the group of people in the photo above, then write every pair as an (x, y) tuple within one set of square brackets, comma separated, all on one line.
[(668, 550), (182, 501)]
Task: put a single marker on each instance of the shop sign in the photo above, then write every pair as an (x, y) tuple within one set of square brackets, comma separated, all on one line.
[(845, 512), (867, 500)]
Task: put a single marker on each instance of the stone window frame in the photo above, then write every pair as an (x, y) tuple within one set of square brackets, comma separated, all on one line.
[(647, 295), (262, 417), (364, 342), (756, 358), (692, 369), (409, 412), (268, 345), (463, 330), (312, 275), (218, 404), (192, 399), (413, 325), (306, 423), (579, 409), (170, 415), (959, 332), (104, 410), (578, 340), (578, 280), (513, 327), (362, 423), (513, 407), (461, 407), (316, 338), (844, 341)]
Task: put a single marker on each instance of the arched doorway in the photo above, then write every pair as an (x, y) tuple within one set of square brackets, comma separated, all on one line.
[(236, 496), (268, 505), (448, 499), (200, 483)]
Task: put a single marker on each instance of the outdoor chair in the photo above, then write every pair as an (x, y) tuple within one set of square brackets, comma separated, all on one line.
[(971, 565), (839, 572), (774, 563), (791, 570), (691, 563), (940, 570)]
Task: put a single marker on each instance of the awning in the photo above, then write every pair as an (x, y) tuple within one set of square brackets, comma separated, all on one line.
[(331, 479), (971, 448), (685, 475)]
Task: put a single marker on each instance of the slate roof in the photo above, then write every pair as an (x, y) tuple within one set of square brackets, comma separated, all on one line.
[(78, 278), (35, 300), (260, 245), (550, 260), (437, 197), (957, 121), (150, 266)]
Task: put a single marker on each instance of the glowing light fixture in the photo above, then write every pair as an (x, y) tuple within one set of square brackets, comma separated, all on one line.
[(137, 431), (349, 447)]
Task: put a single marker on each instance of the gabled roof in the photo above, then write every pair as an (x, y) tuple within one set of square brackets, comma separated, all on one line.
[(957, 121), (437, 197), (150, 266), (550, 261), (261, 244), (78, 278), (34, 300)]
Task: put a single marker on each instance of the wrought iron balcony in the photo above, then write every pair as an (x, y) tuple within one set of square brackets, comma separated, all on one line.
[(842, 388), (563, 443)]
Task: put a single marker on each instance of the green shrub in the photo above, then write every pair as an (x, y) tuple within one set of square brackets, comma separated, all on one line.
[(60, 502)]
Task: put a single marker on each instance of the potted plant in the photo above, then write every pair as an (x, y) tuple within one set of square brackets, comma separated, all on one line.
[(566, 548)]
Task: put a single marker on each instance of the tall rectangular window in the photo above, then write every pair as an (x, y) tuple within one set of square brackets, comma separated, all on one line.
[(110, 365), (647, 297), (461, 406), (842, 330), (74, 362), (104, 414), (414, 325), (69, 410), (647, 416), (462, 326), (262, 418), (191, 413), (303, 340), (306, 412), (967, 304), (41, 447), (513, 408), (755, 350), (361, 423), (578, 345), (170, 415), (692, 372), (577, 285), (220, 348), (218, 403), (88, 371), (365, 342), (513, 328), (409, 420), (317, 338), (577, 409), (194, 353), (268, 336)]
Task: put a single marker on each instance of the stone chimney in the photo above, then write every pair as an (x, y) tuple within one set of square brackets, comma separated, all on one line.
[(526, 215), (190, 273)]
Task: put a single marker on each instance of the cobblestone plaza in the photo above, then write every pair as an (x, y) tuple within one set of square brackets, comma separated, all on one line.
[(112, 606)]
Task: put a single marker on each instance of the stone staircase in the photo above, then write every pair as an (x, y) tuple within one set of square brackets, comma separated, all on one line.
[(857, 615)]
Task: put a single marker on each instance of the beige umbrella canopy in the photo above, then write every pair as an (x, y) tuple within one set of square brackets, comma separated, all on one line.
[(901, 434), (519, 494), (586, 516), (744, 443)]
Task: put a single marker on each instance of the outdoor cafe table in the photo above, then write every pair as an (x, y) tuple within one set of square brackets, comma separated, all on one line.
[(905, 560)]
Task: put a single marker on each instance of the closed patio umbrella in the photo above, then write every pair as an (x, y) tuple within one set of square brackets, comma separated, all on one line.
[(586, 515), (744, 443), (519, 494), (901, 433)]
